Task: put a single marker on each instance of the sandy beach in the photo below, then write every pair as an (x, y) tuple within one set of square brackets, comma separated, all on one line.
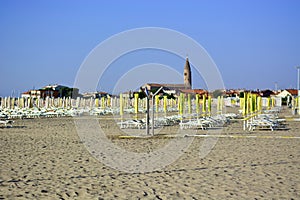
[(45, 159)]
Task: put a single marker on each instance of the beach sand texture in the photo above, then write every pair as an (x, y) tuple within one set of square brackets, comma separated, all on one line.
[(45, 159)]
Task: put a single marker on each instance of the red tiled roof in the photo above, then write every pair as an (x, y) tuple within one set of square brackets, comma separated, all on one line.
[(293, 91), (194, 91)]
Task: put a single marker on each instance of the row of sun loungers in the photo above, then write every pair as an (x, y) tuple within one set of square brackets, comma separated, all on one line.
[(200, 123), (266, 122), (132, 124), (217, 121), (37, 113), (158, 122)]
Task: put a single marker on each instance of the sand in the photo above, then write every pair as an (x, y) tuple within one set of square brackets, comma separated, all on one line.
[(45, 159)]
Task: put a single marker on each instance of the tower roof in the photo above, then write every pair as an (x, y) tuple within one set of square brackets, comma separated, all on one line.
[(187, 64), (187, 74)]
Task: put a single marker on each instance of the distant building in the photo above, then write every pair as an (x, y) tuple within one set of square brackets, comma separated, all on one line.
[(95, 95), (52, 91), (195, 91), (233, 93), (266, 93), (31, 93), (288, 92), (174, 88)]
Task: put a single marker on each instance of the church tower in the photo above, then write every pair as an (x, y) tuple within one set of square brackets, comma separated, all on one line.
[(187, 75)]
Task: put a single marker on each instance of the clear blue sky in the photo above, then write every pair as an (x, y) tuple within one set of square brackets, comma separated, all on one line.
[(45, 42)]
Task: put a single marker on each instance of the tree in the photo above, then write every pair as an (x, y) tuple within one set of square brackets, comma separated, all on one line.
[(217, 93)]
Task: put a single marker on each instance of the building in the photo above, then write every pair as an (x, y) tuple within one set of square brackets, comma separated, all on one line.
[(52, 91), (288, 92), (95, 95), (187, 75), (174, 88)]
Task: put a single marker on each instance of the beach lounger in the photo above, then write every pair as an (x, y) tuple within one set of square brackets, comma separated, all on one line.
[(7, 123), (132, 124)]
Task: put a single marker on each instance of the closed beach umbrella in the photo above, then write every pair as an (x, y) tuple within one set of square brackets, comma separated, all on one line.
[(219, 104), (178, 103), (102, 102), (204, 104), (97, 103), (189, 104), (197, 104), (269, 102), (12, 105), (248, 103), (46, 102), (30, 102), (181, 104), (77, 102), (136, 103), (2, 102), (21, 102), (251, 103), (121, 105), (8, 102), (165, 104), (108, 101), (37, 102), (259, 103), (254, 103), (209, 105), (60, 102), (156, 103), (245, 103), (242, 103)]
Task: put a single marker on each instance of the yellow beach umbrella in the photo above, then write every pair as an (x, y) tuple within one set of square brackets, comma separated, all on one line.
[(178, 103), (102, 102), (136, 103), (108, 101), (209, 105), (269, 102), (121, 105), (251, 103), (245, 104), (165, 104), (97, 103), (248, 103), (22, 102), (259, 103), (60, 104), (156, 103), (197, 104), (181, 103), (273, 102), (242, 103), (8, 102), (256, 103), (204, 104), (189, 104)]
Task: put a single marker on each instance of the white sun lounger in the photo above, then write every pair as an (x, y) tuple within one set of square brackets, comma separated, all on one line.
[(7, 123)]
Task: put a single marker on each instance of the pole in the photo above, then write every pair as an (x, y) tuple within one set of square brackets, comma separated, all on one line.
[(153, 108), (152, 125), (147, 117), (298, 88)]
